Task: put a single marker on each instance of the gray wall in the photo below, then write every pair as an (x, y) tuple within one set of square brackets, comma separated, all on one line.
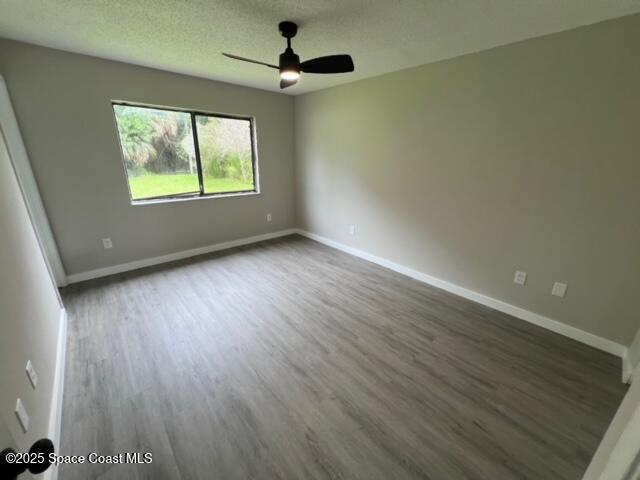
[(62, 102), (29, 315), (520, 157)]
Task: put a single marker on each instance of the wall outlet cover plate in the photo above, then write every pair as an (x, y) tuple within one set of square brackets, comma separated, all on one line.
[(22, 415), (31, 373), (559, 289), (520, 277)]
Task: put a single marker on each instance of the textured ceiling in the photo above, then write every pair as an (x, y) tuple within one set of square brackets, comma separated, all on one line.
[(187, 36)]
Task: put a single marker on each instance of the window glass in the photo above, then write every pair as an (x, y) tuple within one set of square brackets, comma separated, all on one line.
[(158, 151), (226, 154), (164, 157)]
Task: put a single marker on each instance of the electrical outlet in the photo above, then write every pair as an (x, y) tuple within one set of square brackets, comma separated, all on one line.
[(31, 373), (268, 217), (22, 415), (352, 229), (107, 243), (559, 289), (520, 277)]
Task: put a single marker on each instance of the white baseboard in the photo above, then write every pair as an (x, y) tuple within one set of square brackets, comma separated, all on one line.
[(574, 333), (55, 415), (147, 262)]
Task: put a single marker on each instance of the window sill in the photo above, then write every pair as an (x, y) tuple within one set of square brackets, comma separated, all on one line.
[(155, 201)]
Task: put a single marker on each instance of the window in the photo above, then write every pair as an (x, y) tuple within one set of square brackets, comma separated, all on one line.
[(180, 154)]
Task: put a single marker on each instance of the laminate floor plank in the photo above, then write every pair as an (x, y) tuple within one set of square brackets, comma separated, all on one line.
[(290, 360)]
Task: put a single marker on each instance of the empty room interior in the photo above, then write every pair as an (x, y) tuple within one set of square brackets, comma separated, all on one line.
[(363, 240)]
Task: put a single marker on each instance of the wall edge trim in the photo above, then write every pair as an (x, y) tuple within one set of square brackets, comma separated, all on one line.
[(55, 414)]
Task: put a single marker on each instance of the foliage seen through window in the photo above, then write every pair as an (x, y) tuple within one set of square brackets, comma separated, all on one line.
[(162, 160)]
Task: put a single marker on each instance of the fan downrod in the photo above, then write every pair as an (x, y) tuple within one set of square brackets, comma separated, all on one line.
[(288, 29)]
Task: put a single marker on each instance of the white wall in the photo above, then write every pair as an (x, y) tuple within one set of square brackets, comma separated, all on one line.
[(30, 315), (523, 157), (621, 443)]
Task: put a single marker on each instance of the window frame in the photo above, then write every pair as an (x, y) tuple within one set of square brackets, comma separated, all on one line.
[(201, 194)]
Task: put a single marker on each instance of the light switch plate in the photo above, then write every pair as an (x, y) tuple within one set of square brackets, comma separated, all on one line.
[(352, 229), (520, 277), (22, 415), (559, 289), (268, 217), (31, 373), (107, 243)]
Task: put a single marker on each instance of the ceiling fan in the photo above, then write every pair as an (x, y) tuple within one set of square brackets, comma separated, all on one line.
[(290, 67)]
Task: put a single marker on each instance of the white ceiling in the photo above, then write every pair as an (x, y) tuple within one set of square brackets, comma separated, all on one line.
[(187, 36)]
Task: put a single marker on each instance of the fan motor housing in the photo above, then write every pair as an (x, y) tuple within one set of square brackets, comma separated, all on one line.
[(289, 60)]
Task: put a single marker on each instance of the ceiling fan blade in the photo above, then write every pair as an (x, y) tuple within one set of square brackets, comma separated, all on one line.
[(236, 57), (329, 64), (287, 83)]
